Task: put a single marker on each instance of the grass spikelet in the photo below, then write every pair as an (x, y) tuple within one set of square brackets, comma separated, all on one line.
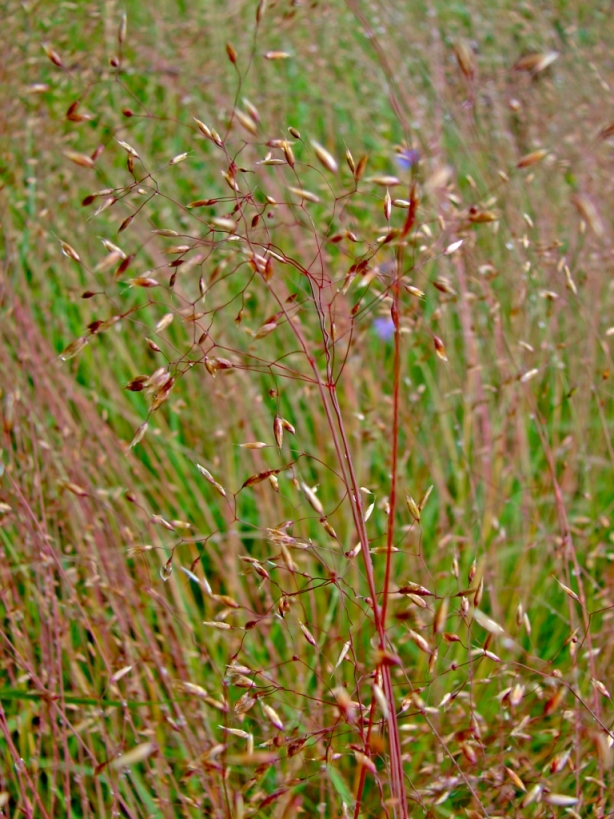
[(324, 157), (80, 159), (273, 716), (134, 756), (277, 55), (532, 159)]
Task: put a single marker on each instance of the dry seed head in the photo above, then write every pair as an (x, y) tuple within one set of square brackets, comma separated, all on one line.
[(244, 703), (164, 322), (306, 195), (384, 181), (441, 616), (589, 213), (289, 153), (80, 159), (287, 558), (453, 247), (231, 181), (276, 55), (472, 571), (415, 588), (570, 284), (133, 757), (425, 497), (237, 732), (308, 635), (128, 148), (555, 700), (53, 55), (534, 795), (266, 329), (560, 800), (74, 348), (516, 779), (387, 206), (600, 687), (125, 224), (260, 10), (313, 499), (535, 63), (177, 159), (342, 656), (381, 700), (361, 167), (220, 223), (345, 704), (75, 489), (480, 216), (528, 376), (247, 122), (420, 642), (414, 509), (166, 569), (326, 158), (191, 688), (532, 158), (69, 251), (328, 528), (203, 128), (144, 281), (440, 348), (479, 592), (232, 54), (288, 426), (217, 624), (559, 762), (516, 695), (365, 761), (106, 204), (123, 26), (569, 592), (353, 552), (350, 160), (273, 716), (469, 753), (278, 431), (465, 59)]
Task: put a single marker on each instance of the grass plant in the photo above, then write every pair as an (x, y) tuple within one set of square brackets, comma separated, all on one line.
[(306, 462)]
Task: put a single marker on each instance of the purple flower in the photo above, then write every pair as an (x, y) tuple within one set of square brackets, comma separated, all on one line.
[(407, 158), (384, 327)]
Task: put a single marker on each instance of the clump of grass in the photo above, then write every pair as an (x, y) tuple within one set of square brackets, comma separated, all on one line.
[(314, 517)]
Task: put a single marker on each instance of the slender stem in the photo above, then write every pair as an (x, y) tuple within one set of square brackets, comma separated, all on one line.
[(395, 446)]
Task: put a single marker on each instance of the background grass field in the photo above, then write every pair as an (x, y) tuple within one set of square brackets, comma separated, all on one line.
[(175, 642)]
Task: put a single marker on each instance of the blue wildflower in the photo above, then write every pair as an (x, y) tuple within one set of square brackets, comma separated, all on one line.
[(407, 158), (384, 327)]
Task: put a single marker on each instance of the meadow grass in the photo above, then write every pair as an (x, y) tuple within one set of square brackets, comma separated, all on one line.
[(306, 478)]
